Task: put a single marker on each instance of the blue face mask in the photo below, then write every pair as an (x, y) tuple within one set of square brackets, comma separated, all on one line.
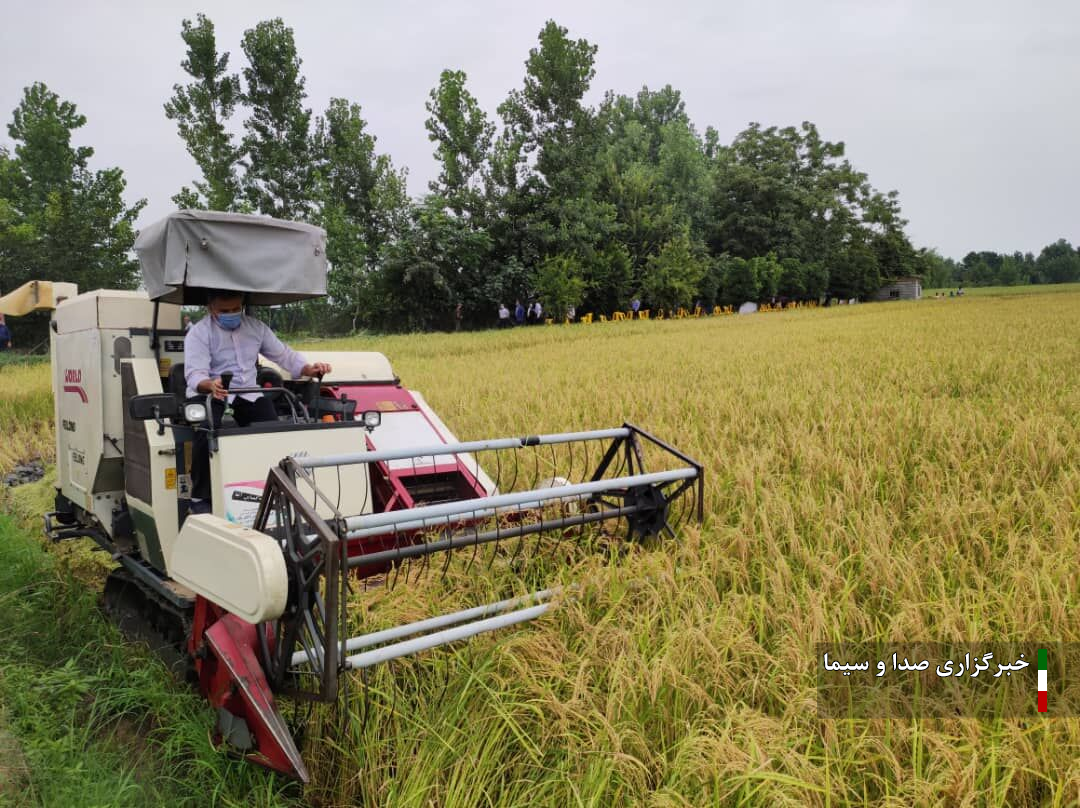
[(230, 322)]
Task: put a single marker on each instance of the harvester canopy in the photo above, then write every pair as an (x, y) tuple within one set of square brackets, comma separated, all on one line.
[(270, 260)]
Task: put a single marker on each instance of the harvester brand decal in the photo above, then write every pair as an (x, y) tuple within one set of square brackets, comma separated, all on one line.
[(242, 500), (69, 426), (174, 346), (73, 383)]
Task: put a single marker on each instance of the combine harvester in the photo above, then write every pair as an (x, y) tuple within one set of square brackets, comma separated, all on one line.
[(357, 480)]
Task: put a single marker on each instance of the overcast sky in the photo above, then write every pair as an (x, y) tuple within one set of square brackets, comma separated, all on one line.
[(969, 108)]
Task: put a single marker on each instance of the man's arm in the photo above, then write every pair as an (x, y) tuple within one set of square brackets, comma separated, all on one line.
[(197, 364), (281, 354)]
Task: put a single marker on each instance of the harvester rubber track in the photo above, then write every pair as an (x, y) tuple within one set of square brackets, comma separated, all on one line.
[(144, 616)]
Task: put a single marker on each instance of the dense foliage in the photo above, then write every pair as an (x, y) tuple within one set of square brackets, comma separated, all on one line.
[(582, 207), (60, 220)]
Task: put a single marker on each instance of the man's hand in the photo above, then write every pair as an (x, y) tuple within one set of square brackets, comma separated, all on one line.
[(319, 369), (214, 387)]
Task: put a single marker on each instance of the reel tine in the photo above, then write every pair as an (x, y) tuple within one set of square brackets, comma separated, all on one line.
[(337, 502), (449, 553), (517, 550), (621, 466), (367, 493), (687, 505), (513, 485), (365, 685), (476, 542), (540, 533), (560, 534), (422, 561), (396, 566)]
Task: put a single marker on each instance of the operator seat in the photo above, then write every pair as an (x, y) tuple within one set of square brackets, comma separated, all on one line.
[(178, 388), (178, 384)]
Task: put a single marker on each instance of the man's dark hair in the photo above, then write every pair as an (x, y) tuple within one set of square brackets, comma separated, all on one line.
[(213, 295)]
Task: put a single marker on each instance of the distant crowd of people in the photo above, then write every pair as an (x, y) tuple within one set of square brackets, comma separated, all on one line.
[(959, 292), (533, 312), (522, 314)]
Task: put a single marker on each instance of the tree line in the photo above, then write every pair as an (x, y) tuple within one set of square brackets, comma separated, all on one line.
[(1055, 263), (555, 199)]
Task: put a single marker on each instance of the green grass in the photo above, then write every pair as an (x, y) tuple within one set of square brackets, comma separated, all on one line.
[(996, 291), (14, 358), (88, 720)]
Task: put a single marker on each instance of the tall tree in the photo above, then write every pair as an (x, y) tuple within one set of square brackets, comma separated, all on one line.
[(202, 110), (362, 202), (60, 220), (46, 162), (1058, 263), (278, 180), (559, 286), (436, 264), (546, 156), (787, 191), (462, 135), (674, 275)]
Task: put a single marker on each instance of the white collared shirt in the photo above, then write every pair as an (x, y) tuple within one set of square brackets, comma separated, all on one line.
[(210, 350)]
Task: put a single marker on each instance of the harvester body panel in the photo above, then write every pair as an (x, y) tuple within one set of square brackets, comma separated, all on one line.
[(150, 460), (238, 467), (234, 566), (94, 333)]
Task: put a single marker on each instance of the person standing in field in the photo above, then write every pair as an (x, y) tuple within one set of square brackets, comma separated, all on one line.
[(5, 335), (538, 312), (504, 316), (519, 313), (635, 306), (187, 323)]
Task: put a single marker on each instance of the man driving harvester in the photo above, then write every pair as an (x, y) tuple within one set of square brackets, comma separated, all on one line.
[(227, 343)]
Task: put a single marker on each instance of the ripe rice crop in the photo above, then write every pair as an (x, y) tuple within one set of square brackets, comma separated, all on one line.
[(894, 472)]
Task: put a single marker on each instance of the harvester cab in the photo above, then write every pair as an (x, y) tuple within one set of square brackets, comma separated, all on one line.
[(356, 479)]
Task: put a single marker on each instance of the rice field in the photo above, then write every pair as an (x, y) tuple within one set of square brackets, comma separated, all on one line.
[(896, 472)]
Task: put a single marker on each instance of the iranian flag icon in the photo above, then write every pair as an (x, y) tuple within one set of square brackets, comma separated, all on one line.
[(1042, 680)]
